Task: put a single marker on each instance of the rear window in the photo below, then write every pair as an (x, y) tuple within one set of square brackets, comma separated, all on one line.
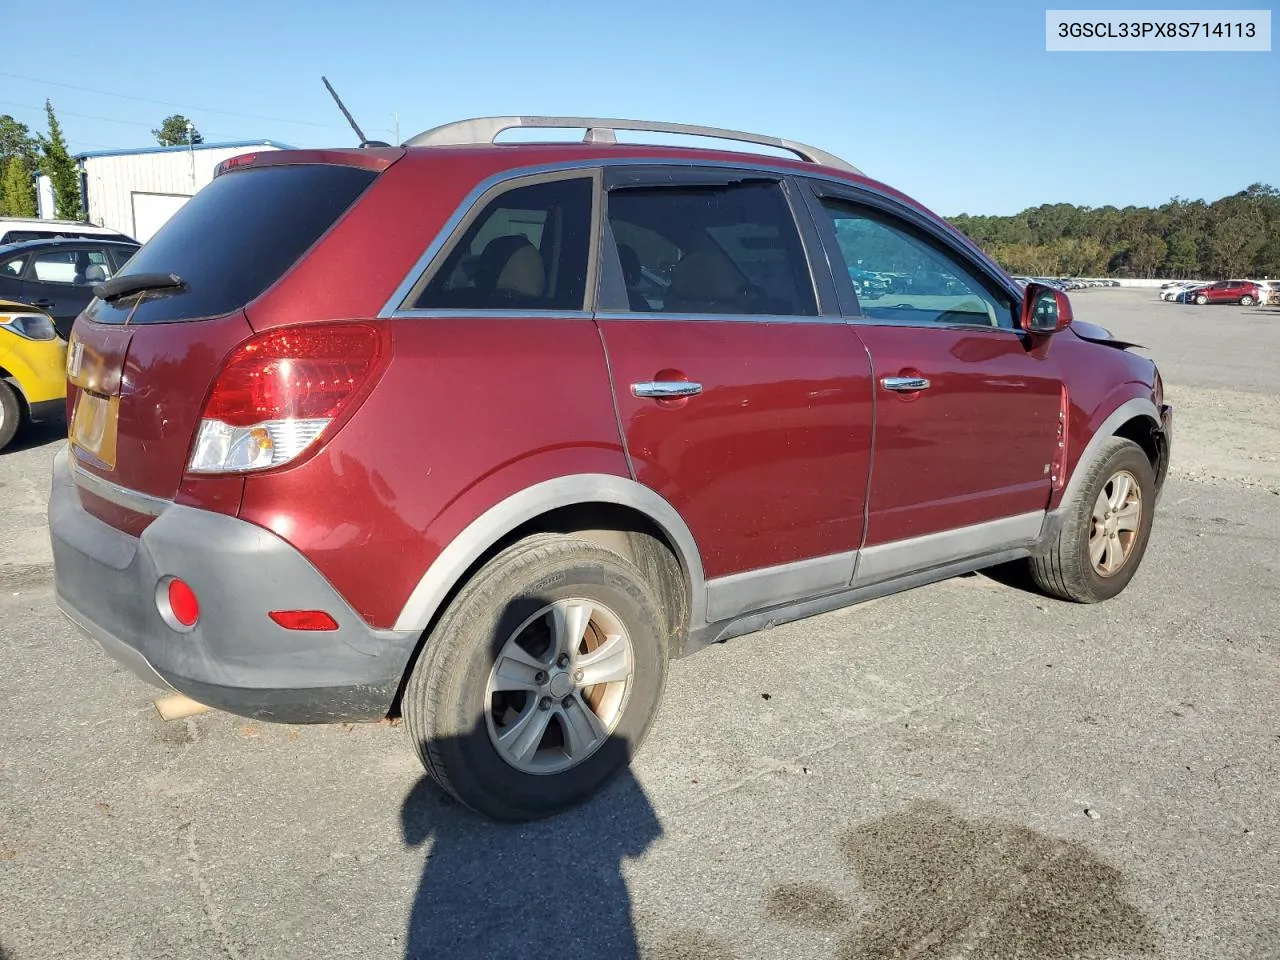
[(235, 238)]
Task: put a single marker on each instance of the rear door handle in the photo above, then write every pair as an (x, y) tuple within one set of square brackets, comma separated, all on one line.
[(665, 389), (904, 384)]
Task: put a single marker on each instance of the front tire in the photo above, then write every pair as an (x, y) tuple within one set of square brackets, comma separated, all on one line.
[(541, 679), (10, 413), (1202, 299), (1105, 533), (1246, 301)]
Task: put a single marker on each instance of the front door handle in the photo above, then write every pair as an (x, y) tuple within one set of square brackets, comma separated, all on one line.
[(666, 389), (904, 384)]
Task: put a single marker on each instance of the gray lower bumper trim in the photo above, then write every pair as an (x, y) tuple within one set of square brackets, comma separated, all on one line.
[(235, 658)]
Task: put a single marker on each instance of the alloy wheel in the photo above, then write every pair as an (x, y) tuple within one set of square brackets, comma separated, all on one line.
[(559, 686), (1117, 518)]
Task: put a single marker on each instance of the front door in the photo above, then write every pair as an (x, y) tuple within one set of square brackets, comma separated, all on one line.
[(740, 402), (967, 406)]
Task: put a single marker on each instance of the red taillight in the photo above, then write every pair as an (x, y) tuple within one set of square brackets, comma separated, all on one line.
[(183, 603), (303, 619), (276, 393), (298, 373)]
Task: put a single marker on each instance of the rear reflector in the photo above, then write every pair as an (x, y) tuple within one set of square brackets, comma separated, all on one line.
[(182, 603), (276, 394), (303, 619)]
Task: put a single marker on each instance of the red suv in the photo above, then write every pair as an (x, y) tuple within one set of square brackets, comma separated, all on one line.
[(1244, 292), (483, 435)]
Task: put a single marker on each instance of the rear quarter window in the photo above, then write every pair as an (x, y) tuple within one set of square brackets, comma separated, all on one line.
[(235, 238)]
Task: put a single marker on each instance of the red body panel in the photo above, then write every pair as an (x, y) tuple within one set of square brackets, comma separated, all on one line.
[(1099, 380), (161, 374), (769, 464), (468, 412), (973, 446)]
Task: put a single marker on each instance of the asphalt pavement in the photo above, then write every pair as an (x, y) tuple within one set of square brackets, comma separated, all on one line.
[(967, 769)]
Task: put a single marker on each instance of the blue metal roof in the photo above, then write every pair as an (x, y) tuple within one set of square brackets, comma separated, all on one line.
[(225, 145)]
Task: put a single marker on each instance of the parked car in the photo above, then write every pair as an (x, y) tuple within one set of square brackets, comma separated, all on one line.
[(17, 229), (58, 275), (33, 377), (1171, 291), (388, 433), (1187, 294), (1244, 292)]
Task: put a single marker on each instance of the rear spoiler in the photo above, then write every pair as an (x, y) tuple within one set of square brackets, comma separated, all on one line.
[(368, 158)]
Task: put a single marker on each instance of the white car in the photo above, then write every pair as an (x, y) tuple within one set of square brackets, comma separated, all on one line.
[(17, 229), (1172, 291)]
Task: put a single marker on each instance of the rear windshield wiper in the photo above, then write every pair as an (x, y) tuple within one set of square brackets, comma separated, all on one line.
[(118, 287)]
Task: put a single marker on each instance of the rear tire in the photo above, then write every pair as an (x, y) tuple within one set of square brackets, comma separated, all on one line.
[(488, 705), (1097, 551), (10, 413)]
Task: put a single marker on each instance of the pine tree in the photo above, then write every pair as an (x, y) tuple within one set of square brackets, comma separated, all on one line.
[(17, 190), (61, 170)]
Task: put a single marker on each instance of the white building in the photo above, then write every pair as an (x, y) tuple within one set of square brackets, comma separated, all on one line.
[(136, 191)]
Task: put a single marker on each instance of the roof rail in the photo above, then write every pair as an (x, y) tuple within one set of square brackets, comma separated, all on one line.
[(601, 130)]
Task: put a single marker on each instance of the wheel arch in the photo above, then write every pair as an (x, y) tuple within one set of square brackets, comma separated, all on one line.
[(1135, 419), (598, 507)]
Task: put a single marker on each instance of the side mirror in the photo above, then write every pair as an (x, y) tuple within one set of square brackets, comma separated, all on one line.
[(1045, 310)]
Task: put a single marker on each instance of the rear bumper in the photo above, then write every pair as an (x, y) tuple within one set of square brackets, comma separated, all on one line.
[(235, 658)]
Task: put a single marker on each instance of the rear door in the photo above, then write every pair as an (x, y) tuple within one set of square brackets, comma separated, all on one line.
[(744, 399), (967, 406)]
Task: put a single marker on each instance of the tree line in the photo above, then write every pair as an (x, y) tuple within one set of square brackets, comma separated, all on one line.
[(23, 154), (1233, 237)]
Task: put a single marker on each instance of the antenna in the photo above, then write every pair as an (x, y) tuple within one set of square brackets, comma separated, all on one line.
[(350, 119)]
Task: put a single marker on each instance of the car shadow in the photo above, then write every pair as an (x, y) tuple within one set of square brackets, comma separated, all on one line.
[(550, 888), (1015, 574), (34, 435), (532, 890)]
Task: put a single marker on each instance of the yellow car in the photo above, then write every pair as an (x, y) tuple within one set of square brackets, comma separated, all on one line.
[(33, 369)]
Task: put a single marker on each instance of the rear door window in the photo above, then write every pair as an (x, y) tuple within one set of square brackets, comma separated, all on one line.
[(78, 267), (720, 249), (235, 238), (527, 249)]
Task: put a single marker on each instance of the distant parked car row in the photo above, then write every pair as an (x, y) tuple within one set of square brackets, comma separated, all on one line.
[(1068, 283), (1244, 292)]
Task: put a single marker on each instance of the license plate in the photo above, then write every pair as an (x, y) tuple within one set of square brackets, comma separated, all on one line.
[(93, 426)]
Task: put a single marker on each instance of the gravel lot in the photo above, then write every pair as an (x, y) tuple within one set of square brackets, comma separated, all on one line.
[(906, 778)]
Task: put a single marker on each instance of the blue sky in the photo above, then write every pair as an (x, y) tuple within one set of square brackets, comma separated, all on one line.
[(961, 108)]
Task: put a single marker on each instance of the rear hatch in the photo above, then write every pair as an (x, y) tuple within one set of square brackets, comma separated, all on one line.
[(141, 362)]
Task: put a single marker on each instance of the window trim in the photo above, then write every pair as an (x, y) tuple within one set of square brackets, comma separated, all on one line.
[(657, 174), (455, 230), (805, 181), (815, 191)]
